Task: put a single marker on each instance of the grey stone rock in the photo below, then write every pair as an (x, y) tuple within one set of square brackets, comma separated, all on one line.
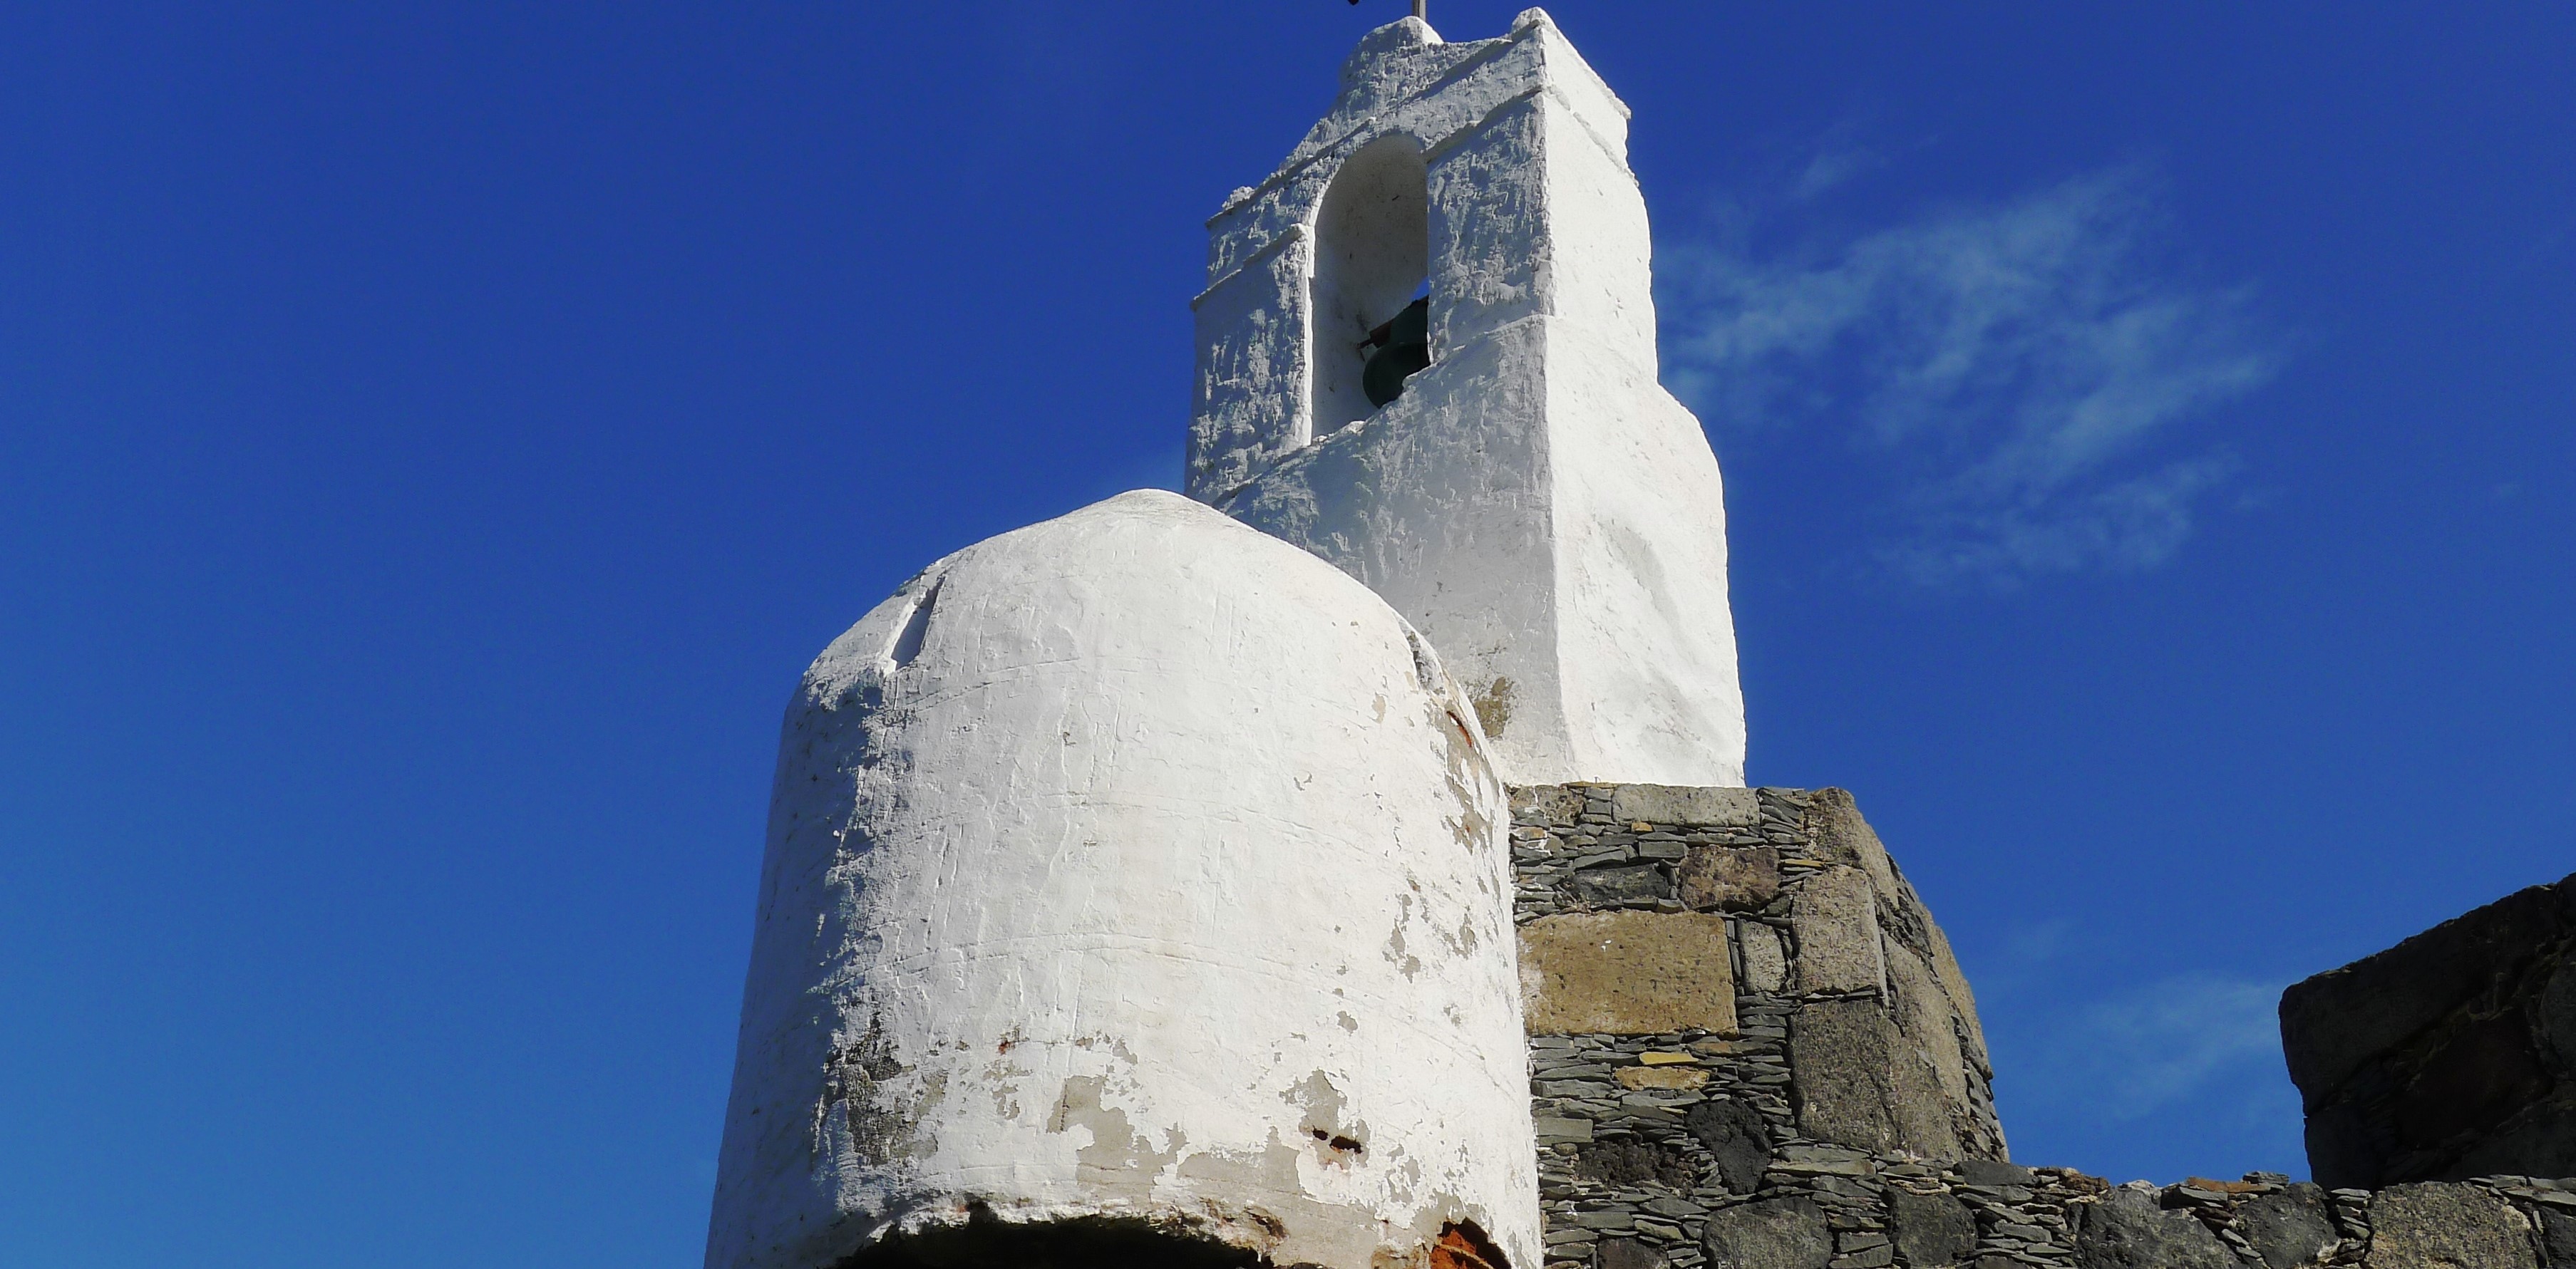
[(1694, 807), (1766, 965), (2334, 1023), (1626, 1253), (1546, 803), (1843, 837), (1879, 1257), (1730, 878), (1929, 1024), (2541, 1139), (1736, 1136), (1782, 1233), (2126, 1230), (2342, 1150), (2471, 1079), (1552, 1130), (1627, 1161), (1638, 883), (1931, 1231), (1994, 1172), (1836, 920), (2288, 1229), (1859, 1083), (2444, 1056), (2556, 1020), (2558, 1239), (2435, 1226)]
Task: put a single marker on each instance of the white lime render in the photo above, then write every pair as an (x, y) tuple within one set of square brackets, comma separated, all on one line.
[(1133, 864), (1535, 502)]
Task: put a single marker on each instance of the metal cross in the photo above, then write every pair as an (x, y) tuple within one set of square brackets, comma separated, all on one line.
[(1420, 9)]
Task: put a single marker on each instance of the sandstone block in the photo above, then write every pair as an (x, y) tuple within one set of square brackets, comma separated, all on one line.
[(2445, 1227), (1627, 973), (1836, 919), (1687, 806), (1666, 1077), (1730, 878), (1784, 1233)]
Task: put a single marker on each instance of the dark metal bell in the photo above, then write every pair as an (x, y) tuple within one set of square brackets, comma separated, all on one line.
[(1404, 346)]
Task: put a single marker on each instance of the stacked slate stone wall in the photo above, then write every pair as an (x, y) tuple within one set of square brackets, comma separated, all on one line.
[(1744, 1025), (1751, 1048)]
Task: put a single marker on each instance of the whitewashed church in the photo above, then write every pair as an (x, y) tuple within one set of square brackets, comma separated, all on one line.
[(1346, 864)]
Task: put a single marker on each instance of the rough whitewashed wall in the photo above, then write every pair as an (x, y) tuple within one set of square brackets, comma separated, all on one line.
[(1134, 864), (1535, 503)]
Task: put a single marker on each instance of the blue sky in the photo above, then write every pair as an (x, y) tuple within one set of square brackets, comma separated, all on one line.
[(432, 441)]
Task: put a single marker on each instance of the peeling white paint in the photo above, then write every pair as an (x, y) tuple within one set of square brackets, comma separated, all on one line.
[(1535, 503), (1134, 863)]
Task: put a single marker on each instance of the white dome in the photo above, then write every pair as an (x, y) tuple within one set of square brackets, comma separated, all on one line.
[(1133, 864)]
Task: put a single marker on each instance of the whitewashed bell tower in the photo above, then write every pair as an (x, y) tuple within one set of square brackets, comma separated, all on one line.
[(1534, 501)]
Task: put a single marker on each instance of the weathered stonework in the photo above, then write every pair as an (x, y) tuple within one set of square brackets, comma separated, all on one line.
[(1137, 889), (2452, 1054), (1847, 1120), (1853, 1063)]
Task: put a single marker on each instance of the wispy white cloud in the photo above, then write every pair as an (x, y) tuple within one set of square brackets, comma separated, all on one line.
[(2022, 366), (2165, 1042), (1830, 169)]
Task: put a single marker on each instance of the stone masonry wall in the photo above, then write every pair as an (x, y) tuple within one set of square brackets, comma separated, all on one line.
[(1743, 1023), (2450, 1055), (1750, 1048)]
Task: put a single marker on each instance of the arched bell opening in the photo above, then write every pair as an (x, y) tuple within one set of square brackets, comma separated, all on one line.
[(1367, 310), (1086, 1242)]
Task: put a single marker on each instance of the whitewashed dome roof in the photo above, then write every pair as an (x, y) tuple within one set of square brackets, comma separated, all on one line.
[(1134, 863)]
